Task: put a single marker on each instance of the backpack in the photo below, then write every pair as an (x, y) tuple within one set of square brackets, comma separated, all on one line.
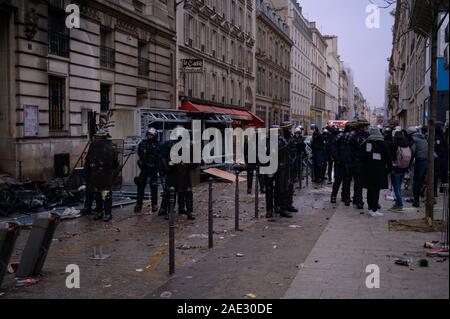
[(404, 156)]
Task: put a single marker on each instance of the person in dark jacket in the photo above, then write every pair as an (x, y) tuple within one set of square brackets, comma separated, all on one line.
[(357, 142), (149, 153), (420, 153), (252, 167), (377, 163), (329, 133), (178, 176), (398, 173), (319, 154), (101, 166), (340, 158), (300, 151), (441, 160)]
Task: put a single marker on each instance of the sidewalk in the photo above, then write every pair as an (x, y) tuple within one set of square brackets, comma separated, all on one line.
[(336, 266)]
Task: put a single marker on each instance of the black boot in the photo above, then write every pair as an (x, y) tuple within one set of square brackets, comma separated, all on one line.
[(86, 211), (154, 208), (333, 200), (269, 213), (107, 217), (348, 202), (291, 209), (285, 214), (98, 215), (137, 209), (189, 204)]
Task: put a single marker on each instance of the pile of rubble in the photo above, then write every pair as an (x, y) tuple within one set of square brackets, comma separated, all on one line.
[(33, 197)]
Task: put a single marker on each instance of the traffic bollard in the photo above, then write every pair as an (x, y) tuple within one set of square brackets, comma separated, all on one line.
[(210, 214), (257, 193), (236, 203), (171, 231)]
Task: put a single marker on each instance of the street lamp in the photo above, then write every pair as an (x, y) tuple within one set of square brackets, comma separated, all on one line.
[(187, 4)]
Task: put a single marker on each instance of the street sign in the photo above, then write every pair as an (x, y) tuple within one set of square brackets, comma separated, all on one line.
[(192, 65)]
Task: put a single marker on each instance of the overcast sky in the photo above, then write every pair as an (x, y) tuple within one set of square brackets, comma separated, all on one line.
[(364, 49)]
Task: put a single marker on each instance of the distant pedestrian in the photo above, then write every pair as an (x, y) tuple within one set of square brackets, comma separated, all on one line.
[(402, 161), (420, 153), (377, 164)]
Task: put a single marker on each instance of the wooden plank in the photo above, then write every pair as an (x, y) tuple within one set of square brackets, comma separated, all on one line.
[(224, 175)]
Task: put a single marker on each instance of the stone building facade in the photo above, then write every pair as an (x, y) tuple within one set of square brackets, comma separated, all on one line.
[(319, 115), (121, 58), (332, 81), (301, 68), (221, 36), (273, 55)]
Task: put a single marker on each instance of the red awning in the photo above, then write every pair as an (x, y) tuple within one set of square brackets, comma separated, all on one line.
[(236, 114)]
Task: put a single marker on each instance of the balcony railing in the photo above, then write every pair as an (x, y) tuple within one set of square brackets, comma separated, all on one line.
[(107, 58), (143, 66), (58, 43)]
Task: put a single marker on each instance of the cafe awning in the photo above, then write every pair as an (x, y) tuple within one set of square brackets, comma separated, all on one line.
[(245, 116)]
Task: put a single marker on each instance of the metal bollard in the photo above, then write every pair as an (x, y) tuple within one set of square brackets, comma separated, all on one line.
[(210, 214), (171, 231), (257, 193), (236, 203)]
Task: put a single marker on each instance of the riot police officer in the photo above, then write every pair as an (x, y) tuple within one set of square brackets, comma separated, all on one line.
[(358, 144), (341, 156), (101, 166), (300, 151), (319, 154), (275, 183), (291, 157), (149, 153), (251, 167), (177, 176)]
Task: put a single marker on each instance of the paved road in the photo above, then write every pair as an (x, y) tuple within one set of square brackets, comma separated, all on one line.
[(320, 253)]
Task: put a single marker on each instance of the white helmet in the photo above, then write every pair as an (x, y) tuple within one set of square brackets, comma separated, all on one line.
[(152, 131)]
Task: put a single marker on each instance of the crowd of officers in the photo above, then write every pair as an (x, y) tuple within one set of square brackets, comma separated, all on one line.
[(350, 152), (343, 151)]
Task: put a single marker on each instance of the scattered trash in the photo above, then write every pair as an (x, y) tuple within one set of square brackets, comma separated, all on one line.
[(26, 282), (403, 261), (70, 213), (140, 270), (294, 226), (441, 260), (275, 246), (438, 253), (221, 237), (188, 277), (250, 295), (107, 286), (203, 236), (422, 263), (166, 294), (187, 247), (12, 268), (429, 244), (1, 294), (240, 255)]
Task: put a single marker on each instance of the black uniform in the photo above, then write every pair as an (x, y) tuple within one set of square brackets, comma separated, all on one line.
[(319, 156), (276, 186), (328, 137), (251, 167), (291, 153), (100, 168), (300, 152), (340, 153), (149, 152), (177, 176), (357, 142)]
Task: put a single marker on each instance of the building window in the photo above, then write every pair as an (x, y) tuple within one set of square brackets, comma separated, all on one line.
[(58, 34), (105, 99), (107, 53), (57, 101), (143, 62)]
